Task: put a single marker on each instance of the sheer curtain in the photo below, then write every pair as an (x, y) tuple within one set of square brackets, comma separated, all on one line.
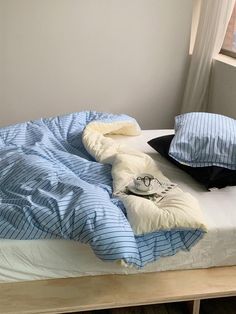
[(213, 21)]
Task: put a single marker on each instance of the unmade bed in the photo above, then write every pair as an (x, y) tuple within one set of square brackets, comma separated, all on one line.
[(41, 259), (36, 260)]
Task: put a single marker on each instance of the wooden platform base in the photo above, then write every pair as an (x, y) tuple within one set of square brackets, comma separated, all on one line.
[(113, 291)]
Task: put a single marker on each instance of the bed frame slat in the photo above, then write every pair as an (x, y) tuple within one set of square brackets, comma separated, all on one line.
[(112, 291)]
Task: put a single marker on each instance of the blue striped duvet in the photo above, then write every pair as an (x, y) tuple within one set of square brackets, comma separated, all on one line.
[(51, 188)]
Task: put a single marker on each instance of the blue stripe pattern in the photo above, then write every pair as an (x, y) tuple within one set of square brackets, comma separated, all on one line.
[(204, 139), (51, 188)]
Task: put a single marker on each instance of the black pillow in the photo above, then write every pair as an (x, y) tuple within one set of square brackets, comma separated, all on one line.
[(212, 176)]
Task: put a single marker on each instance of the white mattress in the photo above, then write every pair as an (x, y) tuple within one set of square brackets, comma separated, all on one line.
[(40, 259)]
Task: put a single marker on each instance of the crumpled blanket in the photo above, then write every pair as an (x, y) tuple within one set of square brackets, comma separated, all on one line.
[(177, 210), (51, 187)]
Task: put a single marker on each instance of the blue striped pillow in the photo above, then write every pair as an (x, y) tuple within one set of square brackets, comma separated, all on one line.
[(204, 139)]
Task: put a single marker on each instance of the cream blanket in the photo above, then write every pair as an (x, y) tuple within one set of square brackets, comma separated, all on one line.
[(177, 210)]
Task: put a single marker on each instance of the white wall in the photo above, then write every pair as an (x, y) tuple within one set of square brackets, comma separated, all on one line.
[(223, 88), (126, 56)]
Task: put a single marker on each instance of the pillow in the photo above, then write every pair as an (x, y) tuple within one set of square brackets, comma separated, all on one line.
[(210, 177), (204, 139)]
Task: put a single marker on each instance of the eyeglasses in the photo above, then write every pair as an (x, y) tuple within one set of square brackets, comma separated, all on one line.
[(146, 180)]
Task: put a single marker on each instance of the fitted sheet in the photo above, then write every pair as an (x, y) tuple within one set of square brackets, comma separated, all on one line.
[(41, 259)]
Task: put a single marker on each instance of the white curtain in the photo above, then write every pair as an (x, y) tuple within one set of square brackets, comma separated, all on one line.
[(213, 21)]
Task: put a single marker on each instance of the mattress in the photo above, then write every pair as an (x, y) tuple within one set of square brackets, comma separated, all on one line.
[(40, 259)]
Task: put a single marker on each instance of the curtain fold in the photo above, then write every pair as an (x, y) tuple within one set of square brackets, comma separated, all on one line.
[(213, 21)]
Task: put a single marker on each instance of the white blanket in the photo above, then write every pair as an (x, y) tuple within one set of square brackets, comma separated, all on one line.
[(177, 210)]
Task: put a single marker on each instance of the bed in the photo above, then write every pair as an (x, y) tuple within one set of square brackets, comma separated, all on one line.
[(66, 276)]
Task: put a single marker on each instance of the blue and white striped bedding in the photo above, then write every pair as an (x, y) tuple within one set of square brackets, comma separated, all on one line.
[(204, 139), (51, 188)]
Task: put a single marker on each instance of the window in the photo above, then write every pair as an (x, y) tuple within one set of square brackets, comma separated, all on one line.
[(229, 45)]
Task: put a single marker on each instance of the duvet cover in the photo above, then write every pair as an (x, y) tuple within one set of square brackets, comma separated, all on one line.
[(51, 187)]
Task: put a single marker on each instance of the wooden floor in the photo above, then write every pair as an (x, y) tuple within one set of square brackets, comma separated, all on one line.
[(213, 306)]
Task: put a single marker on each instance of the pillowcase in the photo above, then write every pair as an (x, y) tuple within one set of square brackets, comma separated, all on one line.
[(204, 139), (210, 177)]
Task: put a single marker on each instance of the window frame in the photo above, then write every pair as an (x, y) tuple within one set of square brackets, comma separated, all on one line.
[(226, 51)]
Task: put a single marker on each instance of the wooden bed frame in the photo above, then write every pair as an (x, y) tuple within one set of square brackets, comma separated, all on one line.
[(116, 291), (86, 293)]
